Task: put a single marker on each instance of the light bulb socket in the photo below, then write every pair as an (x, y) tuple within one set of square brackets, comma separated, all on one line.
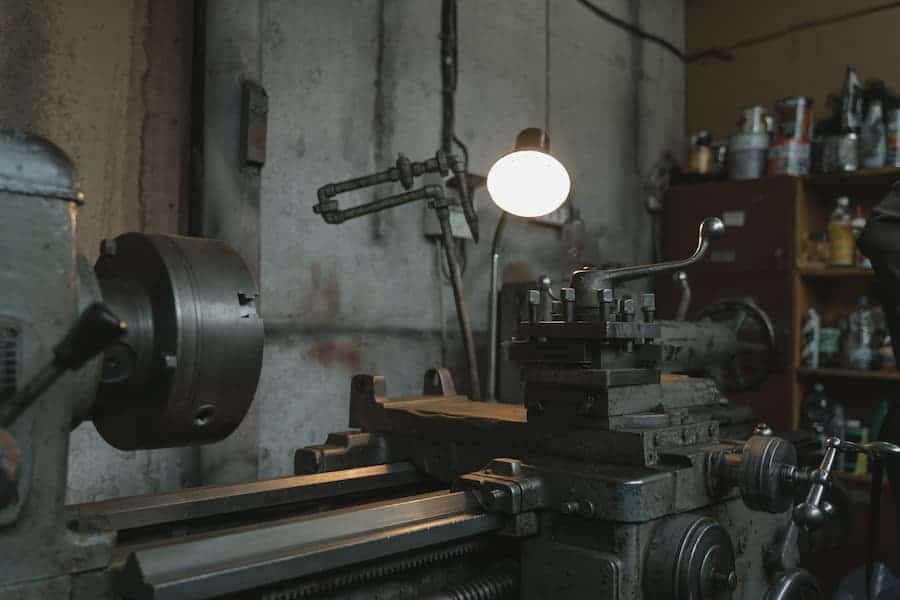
[(533, 139)]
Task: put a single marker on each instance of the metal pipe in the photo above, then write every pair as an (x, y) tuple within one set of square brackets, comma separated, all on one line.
[(462, 309), (346, 214), (493, 304)]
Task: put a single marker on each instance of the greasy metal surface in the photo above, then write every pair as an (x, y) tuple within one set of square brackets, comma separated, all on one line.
[(391, 579), (690, 558), (588, 282), (548, 402), (498, 430), (33, 166), (693, 346), (554, 570), (590, 330), (39, 273), (265, 554), (342, 450), (197, 503), (187, 371)]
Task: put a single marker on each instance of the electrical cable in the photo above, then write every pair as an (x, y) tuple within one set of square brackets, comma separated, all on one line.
[(546, 66), (449, 73), (633, 30), (726, 53)]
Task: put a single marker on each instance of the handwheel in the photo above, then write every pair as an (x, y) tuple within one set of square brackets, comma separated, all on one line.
[(796, 584), (755, 335)]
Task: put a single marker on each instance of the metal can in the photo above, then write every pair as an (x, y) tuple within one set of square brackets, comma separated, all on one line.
[(893, 138), (789, 153), (747, 155), (794, 118)]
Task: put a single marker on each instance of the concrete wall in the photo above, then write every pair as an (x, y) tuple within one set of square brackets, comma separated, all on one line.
[(809, 62), (351, 84)]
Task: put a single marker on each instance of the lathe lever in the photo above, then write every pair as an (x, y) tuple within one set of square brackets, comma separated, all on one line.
[(93, 331)]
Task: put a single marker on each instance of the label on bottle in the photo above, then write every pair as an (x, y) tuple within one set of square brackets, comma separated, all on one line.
[(790, 157), (842, 244), (893, 141)]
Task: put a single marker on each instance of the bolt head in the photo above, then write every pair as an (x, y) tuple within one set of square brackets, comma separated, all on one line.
[(494, 498), (648, 301), (534, 297), (605, 295), (567, 294), (628, 306), (727, 580), (108, 247), (170, 361)]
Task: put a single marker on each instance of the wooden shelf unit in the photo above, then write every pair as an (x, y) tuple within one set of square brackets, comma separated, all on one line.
[(811, 273), (768, 222), (833, 291), (849, 374)]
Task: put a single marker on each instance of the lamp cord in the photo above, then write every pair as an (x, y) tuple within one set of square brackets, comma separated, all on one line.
[(634, 30), (546, 66)]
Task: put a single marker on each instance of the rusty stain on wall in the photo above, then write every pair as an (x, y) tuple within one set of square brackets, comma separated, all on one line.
[(323, 300), (518, 271), (331, 353)]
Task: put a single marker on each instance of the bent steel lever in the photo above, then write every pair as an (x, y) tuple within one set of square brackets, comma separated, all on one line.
[(586, 282)]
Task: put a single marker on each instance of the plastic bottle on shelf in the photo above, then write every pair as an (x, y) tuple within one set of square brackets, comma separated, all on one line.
[(857, 224), (812, 327), (860, 327), (841, 242), (873, 138)]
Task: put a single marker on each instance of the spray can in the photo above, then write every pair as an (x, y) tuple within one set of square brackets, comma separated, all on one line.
[(790, 150)]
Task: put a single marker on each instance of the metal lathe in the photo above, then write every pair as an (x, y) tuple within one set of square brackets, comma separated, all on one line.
[(612, 479)]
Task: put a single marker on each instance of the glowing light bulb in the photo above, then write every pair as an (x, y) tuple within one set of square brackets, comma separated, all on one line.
[(528, 183)]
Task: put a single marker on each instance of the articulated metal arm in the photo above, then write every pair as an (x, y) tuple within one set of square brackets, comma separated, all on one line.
[(405, 171)]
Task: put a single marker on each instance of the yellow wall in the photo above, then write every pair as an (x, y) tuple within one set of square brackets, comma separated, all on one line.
[(809, 62)]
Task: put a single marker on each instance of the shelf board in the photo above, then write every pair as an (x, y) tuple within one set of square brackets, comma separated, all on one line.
[(866, 179), (850, 374), (834, 272)]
